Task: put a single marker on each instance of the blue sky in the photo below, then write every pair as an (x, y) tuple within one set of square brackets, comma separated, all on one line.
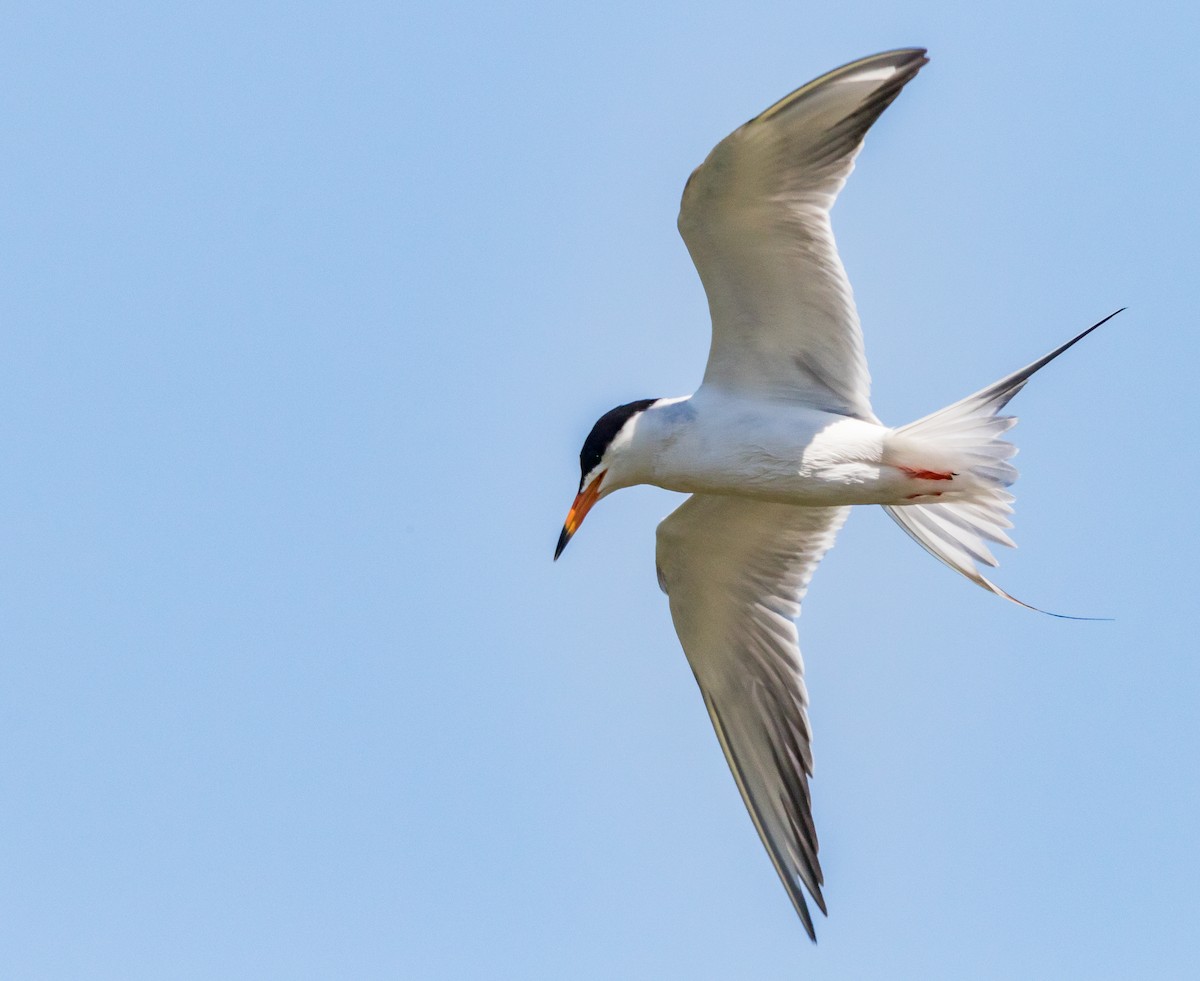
[(305, 310)]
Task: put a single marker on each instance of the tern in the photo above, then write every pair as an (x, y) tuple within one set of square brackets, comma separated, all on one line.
[(780, 440)]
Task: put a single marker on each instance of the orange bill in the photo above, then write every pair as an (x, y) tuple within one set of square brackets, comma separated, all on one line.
[(583, 504)]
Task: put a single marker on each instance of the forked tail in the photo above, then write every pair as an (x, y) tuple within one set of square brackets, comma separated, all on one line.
[(959, 532)]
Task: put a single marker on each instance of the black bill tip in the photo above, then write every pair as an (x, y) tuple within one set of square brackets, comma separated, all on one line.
[(562, 543)]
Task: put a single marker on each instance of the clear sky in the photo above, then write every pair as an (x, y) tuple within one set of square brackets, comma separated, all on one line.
[(305, 310)]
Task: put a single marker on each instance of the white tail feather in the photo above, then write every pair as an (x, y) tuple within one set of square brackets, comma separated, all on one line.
[(969, 432)]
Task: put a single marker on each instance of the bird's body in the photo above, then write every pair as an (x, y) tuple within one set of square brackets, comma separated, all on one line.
[(780, 440), (785, 452)]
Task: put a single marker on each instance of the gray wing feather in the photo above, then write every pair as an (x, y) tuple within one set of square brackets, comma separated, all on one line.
[(755, 218), (735, 572)]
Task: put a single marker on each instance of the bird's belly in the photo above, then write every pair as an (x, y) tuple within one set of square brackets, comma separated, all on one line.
[(833, 463), (848, 483)]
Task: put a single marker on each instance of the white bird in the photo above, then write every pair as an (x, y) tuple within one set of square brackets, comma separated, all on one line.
[(780, 439)]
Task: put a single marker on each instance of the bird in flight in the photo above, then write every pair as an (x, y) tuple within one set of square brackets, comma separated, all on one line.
[(780, 440)]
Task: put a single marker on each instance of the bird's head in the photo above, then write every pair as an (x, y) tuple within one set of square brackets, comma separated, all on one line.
[(603, 463)]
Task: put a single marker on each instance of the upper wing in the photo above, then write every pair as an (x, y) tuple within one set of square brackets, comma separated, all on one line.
[(755, 217), (735, 571)]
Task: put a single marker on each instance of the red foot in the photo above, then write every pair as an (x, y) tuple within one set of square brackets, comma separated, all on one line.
[(919, 474)]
